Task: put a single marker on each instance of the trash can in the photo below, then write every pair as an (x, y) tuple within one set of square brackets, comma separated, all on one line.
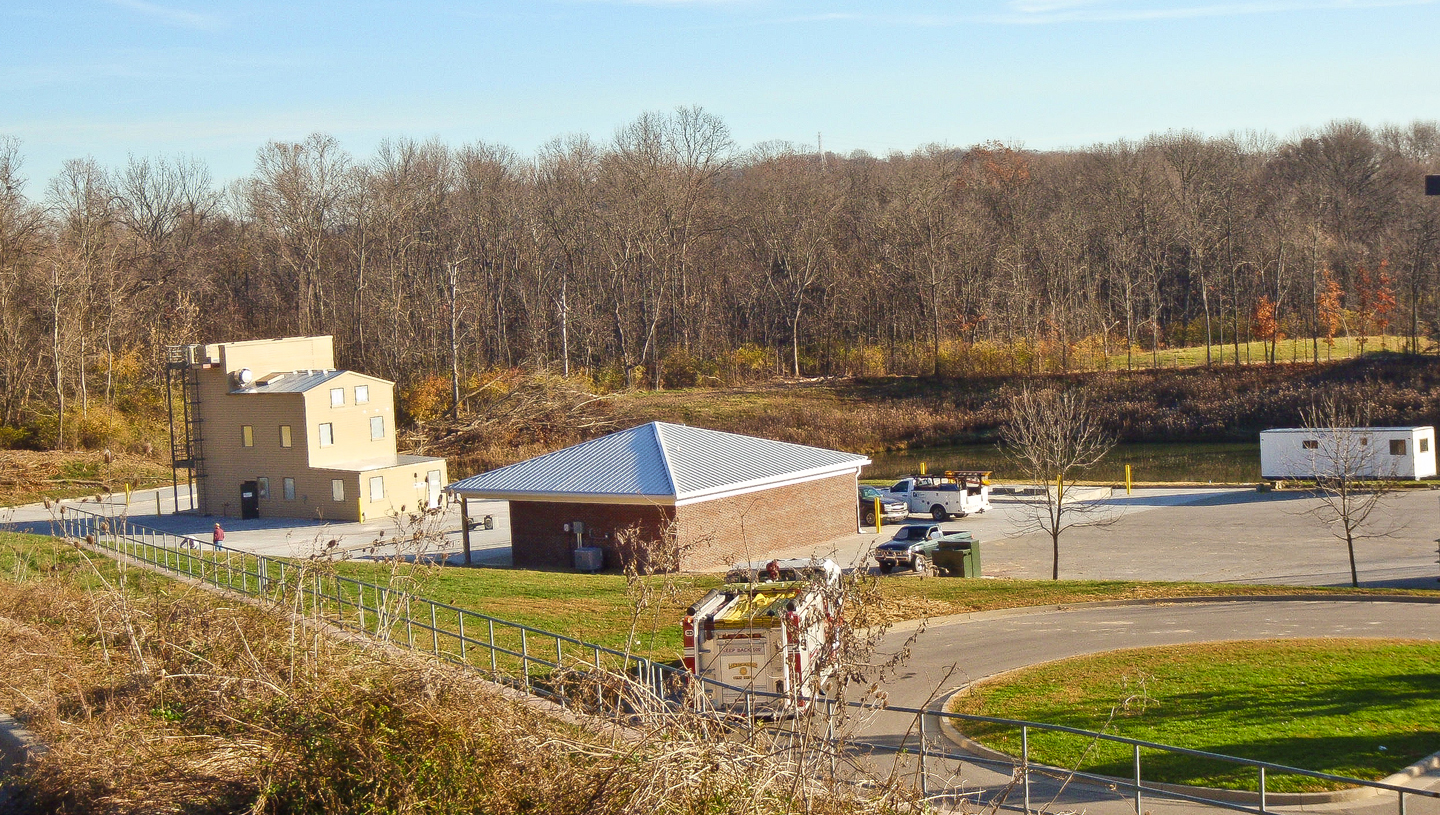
[(959, 555)]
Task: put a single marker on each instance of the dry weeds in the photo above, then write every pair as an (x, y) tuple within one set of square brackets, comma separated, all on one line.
[(155, 697)]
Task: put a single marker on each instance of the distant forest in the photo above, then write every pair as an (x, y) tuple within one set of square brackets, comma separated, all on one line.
[(668, 257)]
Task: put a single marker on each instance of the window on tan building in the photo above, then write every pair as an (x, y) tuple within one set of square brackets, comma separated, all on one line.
[(327, 434), (284, 435), (289, 489), (377, 488), (262, 486), (337, 489), (337, 397), (247, 435), (377, 427), (362, 394)]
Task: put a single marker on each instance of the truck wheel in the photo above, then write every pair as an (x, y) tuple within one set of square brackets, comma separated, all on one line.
[(921, 565), (869, 519), (938, 513), (886, 568)]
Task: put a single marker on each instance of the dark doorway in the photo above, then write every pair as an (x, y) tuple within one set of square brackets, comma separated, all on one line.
[(249, 500)]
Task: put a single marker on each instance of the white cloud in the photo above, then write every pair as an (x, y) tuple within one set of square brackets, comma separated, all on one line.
[(169, 15)]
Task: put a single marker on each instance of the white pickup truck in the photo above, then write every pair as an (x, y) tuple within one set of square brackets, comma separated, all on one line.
[(955, 493)]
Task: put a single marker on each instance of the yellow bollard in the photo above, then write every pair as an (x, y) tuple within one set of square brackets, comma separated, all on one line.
[(127, 495), (878, 520), (1059, 489), (1128, 480), (922, 468)]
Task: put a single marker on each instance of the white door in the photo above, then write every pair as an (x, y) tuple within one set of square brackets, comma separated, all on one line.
[(432, 489)]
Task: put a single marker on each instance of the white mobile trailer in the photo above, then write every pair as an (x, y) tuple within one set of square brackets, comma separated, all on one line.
[(1380, 452)]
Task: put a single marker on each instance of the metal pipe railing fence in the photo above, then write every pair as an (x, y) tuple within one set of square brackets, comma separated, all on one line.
[(582, 674)]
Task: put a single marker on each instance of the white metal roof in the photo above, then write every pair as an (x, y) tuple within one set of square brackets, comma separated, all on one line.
[(297, 381), (659, 463)]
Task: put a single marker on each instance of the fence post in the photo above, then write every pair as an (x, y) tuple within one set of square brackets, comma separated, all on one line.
[(1139, 804), (434, 633), (491, 625), (460, 615), (924, 760), (409, 624), (1262, 789), (525, 658), (1025, 763)]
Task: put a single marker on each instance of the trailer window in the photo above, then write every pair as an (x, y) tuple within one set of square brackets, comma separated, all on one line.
[(1424, 445), (1311, 444), (1397, 447)]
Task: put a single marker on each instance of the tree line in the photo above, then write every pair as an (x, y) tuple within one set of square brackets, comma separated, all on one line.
[(667, 256)]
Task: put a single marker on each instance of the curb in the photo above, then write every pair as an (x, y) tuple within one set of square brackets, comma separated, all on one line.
[(952, 735), (1002, 613)]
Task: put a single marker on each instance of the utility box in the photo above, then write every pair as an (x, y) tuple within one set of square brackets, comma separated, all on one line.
[(589, 559), (958, 555), (1366, 452)]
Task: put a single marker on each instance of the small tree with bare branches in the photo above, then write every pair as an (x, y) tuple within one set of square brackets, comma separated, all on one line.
[(1053, 436), (1353, 476)]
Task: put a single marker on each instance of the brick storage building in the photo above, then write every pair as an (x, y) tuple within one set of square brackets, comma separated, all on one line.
[(712, 497)]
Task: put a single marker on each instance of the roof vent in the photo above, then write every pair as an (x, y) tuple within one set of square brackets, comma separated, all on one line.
[(244, 377)]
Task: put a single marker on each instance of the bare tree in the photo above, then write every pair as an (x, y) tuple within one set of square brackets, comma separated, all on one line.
[(1053, 436), (1353, 476)]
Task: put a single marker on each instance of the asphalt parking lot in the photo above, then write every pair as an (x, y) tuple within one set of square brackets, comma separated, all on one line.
[(288, 537), (1226, 535)]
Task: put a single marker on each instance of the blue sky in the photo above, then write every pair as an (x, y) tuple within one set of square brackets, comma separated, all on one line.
[(215, 80)]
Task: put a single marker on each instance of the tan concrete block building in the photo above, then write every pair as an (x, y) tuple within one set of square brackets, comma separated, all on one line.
[(718, 498), (274, 430)]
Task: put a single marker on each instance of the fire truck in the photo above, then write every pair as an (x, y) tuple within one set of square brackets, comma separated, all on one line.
[(773, 637)]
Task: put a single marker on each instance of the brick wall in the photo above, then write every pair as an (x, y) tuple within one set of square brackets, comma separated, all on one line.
[(750, 526), (709, 534), (539, 541)]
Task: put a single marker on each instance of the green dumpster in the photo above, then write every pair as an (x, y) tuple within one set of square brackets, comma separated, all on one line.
[(958, 555)]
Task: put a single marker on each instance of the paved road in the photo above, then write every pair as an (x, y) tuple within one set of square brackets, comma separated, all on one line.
[(958, 650)]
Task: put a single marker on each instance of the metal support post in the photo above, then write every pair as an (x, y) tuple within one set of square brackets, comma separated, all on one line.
[(465, 526)]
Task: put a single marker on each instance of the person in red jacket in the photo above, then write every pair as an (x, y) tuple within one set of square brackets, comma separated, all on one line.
[(219, 537)]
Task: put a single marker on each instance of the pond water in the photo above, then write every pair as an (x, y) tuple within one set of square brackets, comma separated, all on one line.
[(1218, 462)]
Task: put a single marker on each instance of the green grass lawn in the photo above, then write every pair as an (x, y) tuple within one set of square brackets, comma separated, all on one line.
[(1291, 350), (1359, 708)]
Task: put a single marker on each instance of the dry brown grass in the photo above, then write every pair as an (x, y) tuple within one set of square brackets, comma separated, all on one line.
[(158, 697), (27, 476)]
